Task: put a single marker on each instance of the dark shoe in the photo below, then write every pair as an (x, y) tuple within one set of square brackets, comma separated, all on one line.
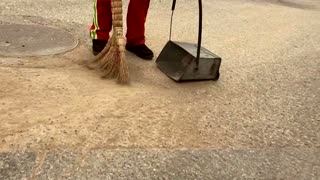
[(141, 51), (98, 45)]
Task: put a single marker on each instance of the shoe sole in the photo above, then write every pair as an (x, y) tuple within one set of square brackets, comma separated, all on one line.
[(95, 53), (145, 57)]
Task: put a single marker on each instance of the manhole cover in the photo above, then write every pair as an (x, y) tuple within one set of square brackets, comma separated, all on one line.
[(34, 40)]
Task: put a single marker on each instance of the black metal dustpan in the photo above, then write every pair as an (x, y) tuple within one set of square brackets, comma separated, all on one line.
[(183, 61)]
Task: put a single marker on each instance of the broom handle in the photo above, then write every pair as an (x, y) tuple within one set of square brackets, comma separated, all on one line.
[(199, 31), (116, 8)]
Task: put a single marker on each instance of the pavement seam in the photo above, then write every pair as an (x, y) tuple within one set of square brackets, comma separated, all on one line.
[(301, 159), (39, 162)]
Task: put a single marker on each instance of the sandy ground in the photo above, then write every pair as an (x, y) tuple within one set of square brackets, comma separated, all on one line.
[(267, 96)]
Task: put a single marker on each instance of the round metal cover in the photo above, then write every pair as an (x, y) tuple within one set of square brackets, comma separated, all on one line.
[(34, 40)]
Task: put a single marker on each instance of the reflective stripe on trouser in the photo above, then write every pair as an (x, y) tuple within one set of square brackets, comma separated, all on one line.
[(136, 18), (102, 20), (95, 26)]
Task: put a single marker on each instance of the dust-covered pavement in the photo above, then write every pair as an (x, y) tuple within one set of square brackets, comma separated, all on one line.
[(59, 119)]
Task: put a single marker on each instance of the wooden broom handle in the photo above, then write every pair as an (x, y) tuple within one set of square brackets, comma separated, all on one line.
[(116, 8)]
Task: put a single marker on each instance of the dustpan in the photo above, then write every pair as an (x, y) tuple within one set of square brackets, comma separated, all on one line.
[(183, 61)]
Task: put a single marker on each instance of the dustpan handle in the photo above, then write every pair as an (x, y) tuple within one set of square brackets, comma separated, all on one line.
[(199, 34), (173, 7), (199, 31)]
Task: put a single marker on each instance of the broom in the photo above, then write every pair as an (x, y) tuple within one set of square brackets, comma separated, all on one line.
[(111, 60)]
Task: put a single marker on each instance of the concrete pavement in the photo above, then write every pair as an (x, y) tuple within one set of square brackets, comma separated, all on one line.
[(59, 120)]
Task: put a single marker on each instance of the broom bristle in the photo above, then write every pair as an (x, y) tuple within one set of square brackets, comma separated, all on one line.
[(111, 60), (123, 70)]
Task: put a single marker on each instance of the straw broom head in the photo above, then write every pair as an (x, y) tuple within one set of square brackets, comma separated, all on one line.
[(111, 60)]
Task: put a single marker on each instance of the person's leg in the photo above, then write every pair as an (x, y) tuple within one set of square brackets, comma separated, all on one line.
[(102, 24), (136, 18)]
